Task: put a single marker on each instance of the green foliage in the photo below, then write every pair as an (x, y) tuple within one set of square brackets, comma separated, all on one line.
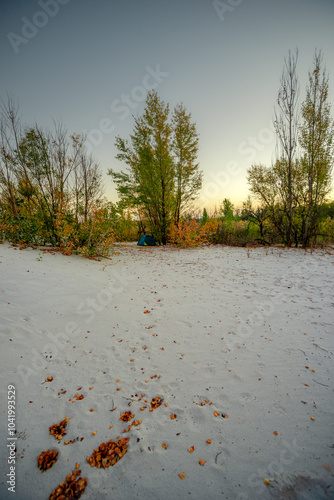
[(231, 232), (316, 140), (326, 231), (205, 217), (50, 190), (255, 216), (292, 191), (188, 178), (25, 229), (226, 209), (327, 210), (162, 175), (123, 223), (91, 237)]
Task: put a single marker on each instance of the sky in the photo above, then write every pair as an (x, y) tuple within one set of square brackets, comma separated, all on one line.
[(90, 63)]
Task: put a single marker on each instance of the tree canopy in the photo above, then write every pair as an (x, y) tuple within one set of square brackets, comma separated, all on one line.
[(294, 188), (162, 175)]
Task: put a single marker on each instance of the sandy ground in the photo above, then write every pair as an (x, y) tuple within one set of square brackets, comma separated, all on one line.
[(243, 334)]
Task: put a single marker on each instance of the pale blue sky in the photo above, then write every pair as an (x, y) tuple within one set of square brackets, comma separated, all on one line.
[(89, 63)]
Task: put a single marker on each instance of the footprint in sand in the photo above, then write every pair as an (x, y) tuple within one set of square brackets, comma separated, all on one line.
[(246, 396)]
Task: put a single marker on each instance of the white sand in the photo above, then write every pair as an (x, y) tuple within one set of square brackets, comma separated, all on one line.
[(232, 327)]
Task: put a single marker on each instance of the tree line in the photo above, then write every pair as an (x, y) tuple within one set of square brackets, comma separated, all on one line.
[(51, 188)]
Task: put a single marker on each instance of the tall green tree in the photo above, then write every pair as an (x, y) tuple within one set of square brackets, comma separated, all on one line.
[(149, 182), (162, 174), (316, 141), (188, 178), (226, 209), (205, 217)]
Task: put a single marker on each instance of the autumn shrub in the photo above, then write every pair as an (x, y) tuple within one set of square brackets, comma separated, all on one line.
[(189, 233), (98, 234), (91, 237), (25, 229)]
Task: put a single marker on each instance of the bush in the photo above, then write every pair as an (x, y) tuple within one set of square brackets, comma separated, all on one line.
[(189, 233), (231, 232), (90, 238), (26, 229)]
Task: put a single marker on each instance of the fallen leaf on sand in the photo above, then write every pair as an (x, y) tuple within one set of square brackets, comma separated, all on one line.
[(191, 449), (182, 475), (108, 454), (72, 487), (156, 402), (201, 461), (126, 416), (77, 397), (216, 414), (275, 432), (49, 379), (47, 459), (58, 430), (70, 441)]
